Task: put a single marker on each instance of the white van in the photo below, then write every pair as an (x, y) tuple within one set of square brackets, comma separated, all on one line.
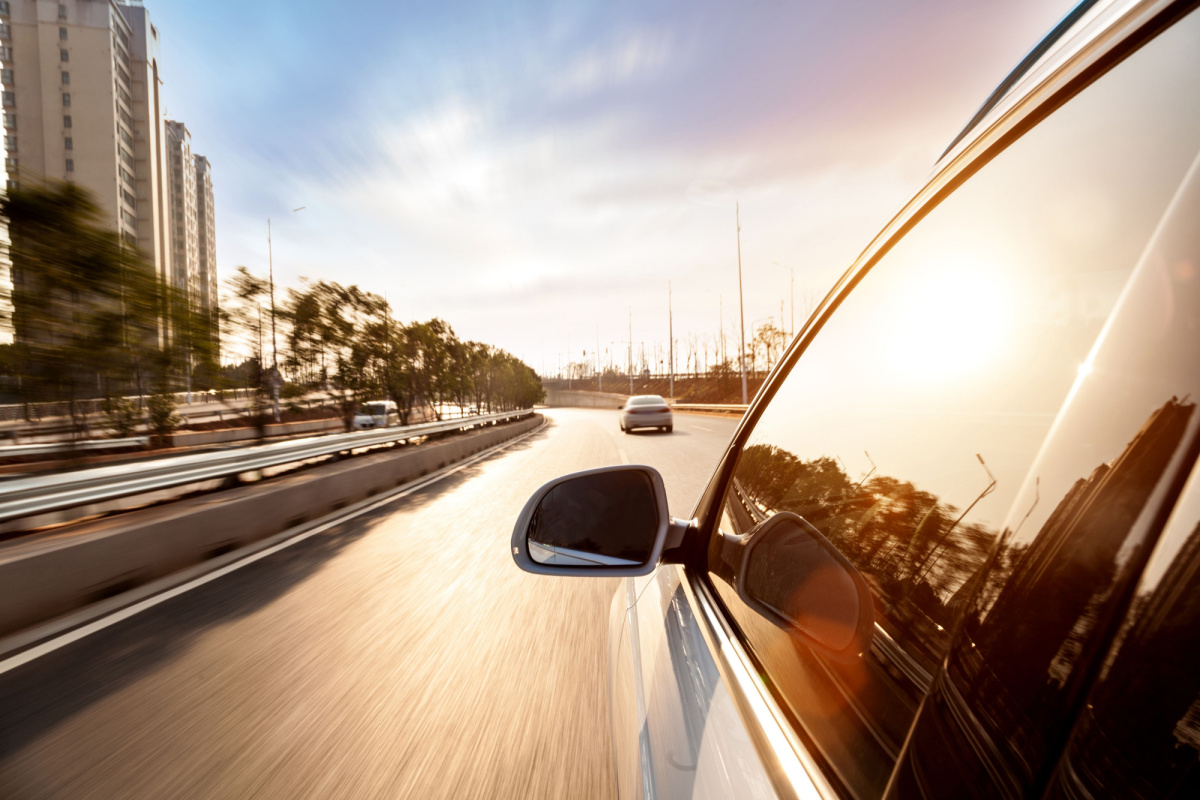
[(376, 414)]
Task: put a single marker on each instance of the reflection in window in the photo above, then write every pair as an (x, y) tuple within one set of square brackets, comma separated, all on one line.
[(907, 429), (1139, 733), (1017, 670), (1050, 604)]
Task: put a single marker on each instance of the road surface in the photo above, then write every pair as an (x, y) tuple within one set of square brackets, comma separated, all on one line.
[(399, 654)]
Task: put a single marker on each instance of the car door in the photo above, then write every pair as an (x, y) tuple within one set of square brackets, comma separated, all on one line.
[(903, 429)]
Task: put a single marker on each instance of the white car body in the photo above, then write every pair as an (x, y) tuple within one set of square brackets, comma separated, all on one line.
[(376, 414), (646, 411)]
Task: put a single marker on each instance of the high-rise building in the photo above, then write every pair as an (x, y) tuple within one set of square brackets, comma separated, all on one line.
[(181, 209), (149, 154), (80, 94), (68, 107), (206, 234)]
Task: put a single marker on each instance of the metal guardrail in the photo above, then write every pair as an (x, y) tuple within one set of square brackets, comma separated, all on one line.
[(715, 408), (24, 497), (17, 450)]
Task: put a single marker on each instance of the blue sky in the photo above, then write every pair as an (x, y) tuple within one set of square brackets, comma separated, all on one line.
[(533, 171)]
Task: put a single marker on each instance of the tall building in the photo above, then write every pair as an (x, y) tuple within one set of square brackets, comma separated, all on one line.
[(206, 233), (149, 154), (80, 93), (68, 108), (181, 209)]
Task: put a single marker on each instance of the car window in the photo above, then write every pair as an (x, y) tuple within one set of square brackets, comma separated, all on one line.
[(1074, 544), (1139, 731), (905, 431)]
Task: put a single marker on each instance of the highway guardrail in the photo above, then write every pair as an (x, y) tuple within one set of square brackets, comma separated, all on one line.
[(28, 496), (715, 408), (18, 450)]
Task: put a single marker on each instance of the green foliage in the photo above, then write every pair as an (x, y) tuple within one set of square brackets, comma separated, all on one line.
[(344, 339), (90, 317), (161, 408), (122, 414)]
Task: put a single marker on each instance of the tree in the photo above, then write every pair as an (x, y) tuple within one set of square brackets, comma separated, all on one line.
[(87, 310)]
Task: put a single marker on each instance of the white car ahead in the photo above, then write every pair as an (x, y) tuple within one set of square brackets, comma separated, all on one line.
[(376, 414), (646, 411)]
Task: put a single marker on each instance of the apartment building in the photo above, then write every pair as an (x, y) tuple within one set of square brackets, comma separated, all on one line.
[(68, 109), (181, 209), (206, 234), (149, 154), (80, 85)]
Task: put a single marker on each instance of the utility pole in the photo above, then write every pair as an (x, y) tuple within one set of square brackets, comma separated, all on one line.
[(741, 304), (671, 336), (274, 353), (721, 327), (631, 351), (568, 362), (792, 270), (599, 366)]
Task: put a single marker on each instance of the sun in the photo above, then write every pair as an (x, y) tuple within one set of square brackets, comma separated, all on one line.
[(949, 317)]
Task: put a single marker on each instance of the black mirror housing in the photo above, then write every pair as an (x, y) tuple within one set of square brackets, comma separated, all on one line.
[(791, 574)]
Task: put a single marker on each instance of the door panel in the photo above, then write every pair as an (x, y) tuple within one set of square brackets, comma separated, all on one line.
[(689, 741)]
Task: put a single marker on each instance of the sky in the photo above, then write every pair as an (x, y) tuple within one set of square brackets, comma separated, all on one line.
[(537, 174)]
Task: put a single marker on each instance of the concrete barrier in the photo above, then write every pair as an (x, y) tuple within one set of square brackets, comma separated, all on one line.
[(47, 576), (193, 438), (563, 397)]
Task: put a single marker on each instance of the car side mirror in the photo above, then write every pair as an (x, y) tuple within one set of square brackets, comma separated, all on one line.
[(792, 575), (611, 521)]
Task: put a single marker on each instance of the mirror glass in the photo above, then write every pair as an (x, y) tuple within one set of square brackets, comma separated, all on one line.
[(792, 574), (604, 519)]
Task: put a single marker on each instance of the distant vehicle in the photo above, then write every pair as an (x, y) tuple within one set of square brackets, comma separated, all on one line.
[(376, 414), (646, 411), (953, 549)]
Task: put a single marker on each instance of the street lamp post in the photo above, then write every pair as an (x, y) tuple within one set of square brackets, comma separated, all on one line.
[(631, 352), (599, 366), (274, 348), (671, 342), (741, 306)]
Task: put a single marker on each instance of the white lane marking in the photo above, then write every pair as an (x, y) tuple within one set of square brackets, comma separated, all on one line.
[(74, 635), (624, 456), (702, 428)]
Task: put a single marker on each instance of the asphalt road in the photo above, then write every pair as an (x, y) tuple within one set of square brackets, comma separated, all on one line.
[(399, 654)]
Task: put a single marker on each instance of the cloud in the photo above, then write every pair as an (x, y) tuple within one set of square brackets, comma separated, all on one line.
[(519, 168), (637, 56)]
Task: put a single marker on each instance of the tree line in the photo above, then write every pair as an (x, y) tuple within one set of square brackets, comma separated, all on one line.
[(89, 319), (344, 339)]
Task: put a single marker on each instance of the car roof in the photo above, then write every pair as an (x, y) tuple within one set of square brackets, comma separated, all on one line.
[(654, 397)]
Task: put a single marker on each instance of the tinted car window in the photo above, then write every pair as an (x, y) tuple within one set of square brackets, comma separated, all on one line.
[(1139, 732), (1075, 542), (906, 429)]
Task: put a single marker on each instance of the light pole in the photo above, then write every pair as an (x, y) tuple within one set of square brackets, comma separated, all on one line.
[(631, 352), (599, 366), (671, 342), (792, 291), (741, 306), (274, 350)]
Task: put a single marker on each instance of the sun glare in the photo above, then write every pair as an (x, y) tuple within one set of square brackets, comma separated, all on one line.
[(950, 317)]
